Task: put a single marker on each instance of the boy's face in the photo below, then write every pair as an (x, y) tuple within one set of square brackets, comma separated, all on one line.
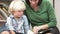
[(18, 13)]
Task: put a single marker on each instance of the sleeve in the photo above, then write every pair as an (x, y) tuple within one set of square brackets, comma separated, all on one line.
[(26, 25), (9, 24), (51, 15)]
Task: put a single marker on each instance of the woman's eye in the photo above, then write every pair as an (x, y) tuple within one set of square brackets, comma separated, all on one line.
[(35, 0), (30, 0)]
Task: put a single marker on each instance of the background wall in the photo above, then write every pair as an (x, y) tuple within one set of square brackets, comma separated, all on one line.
[(57, 10)]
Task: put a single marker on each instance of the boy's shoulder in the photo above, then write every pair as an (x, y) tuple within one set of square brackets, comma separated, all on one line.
[(10, 17), (24, 16)]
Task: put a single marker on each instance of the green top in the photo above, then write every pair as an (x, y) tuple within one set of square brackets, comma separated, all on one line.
[(44, 15)]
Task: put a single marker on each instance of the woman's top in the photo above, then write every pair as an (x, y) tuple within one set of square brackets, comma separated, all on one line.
[(44, 14)]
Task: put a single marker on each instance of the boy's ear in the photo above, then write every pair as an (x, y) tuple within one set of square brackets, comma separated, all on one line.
[(12, 12)]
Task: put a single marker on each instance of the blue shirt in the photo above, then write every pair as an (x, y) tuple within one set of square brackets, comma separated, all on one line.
[(20, 25)]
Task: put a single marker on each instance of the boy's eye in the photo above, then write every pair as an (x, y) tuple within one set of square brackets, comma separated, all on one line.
[(20, 11), (33, 0)]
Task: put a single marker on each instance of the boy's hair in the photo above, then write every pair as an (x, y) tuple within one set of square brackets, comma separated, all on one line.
[(16, 5)]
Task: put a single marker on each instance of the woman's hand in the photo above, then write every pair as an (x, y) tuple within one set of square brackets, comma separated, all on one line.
[(37, 28)]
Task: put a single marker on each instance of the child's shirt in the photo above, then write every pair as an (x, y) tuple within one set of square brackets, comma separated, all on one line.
[(19, 26)]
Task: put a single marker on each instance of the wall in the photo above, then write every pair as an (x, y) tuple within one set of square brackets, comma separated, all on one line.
[(57, 10)]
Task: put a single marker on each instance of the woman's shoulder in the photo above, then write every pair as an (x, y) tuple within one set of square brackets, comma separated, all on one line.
[(46, 1), (10, 17)]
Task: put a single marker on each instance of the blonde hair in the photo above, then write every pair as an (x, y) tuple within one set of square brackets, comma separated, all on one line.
[(16, 5)]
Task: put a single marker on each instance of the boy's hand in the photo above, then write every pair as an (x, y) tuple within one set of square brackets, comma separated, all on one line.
[(12, 32)]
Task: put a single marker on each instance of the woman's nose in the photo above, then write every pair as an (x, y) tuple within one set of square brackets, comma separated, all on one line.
[(33, 2)]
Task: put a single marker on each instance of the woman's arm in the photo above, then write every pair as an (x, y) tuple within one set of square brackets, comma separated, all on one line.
[(51, 17)]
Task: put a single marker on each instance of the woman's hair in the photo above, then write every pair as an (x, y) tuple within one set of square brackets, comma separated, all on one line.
[(16, 5), (27, 1)]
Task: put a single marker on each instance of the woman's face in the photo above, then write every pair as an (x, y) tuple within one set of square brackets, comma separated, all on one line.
[(33, 3)]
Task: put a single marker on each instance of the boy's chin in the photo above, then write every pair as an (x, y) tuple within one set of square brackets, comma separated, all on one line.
[(19, 16)]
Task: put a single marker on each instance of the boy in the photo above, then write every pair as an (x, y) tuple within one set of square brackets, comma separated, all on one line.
[(17, 22)]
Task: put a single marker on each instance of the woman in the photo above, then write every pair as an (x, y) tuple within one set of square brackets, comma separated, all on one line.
[(41, 16)]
